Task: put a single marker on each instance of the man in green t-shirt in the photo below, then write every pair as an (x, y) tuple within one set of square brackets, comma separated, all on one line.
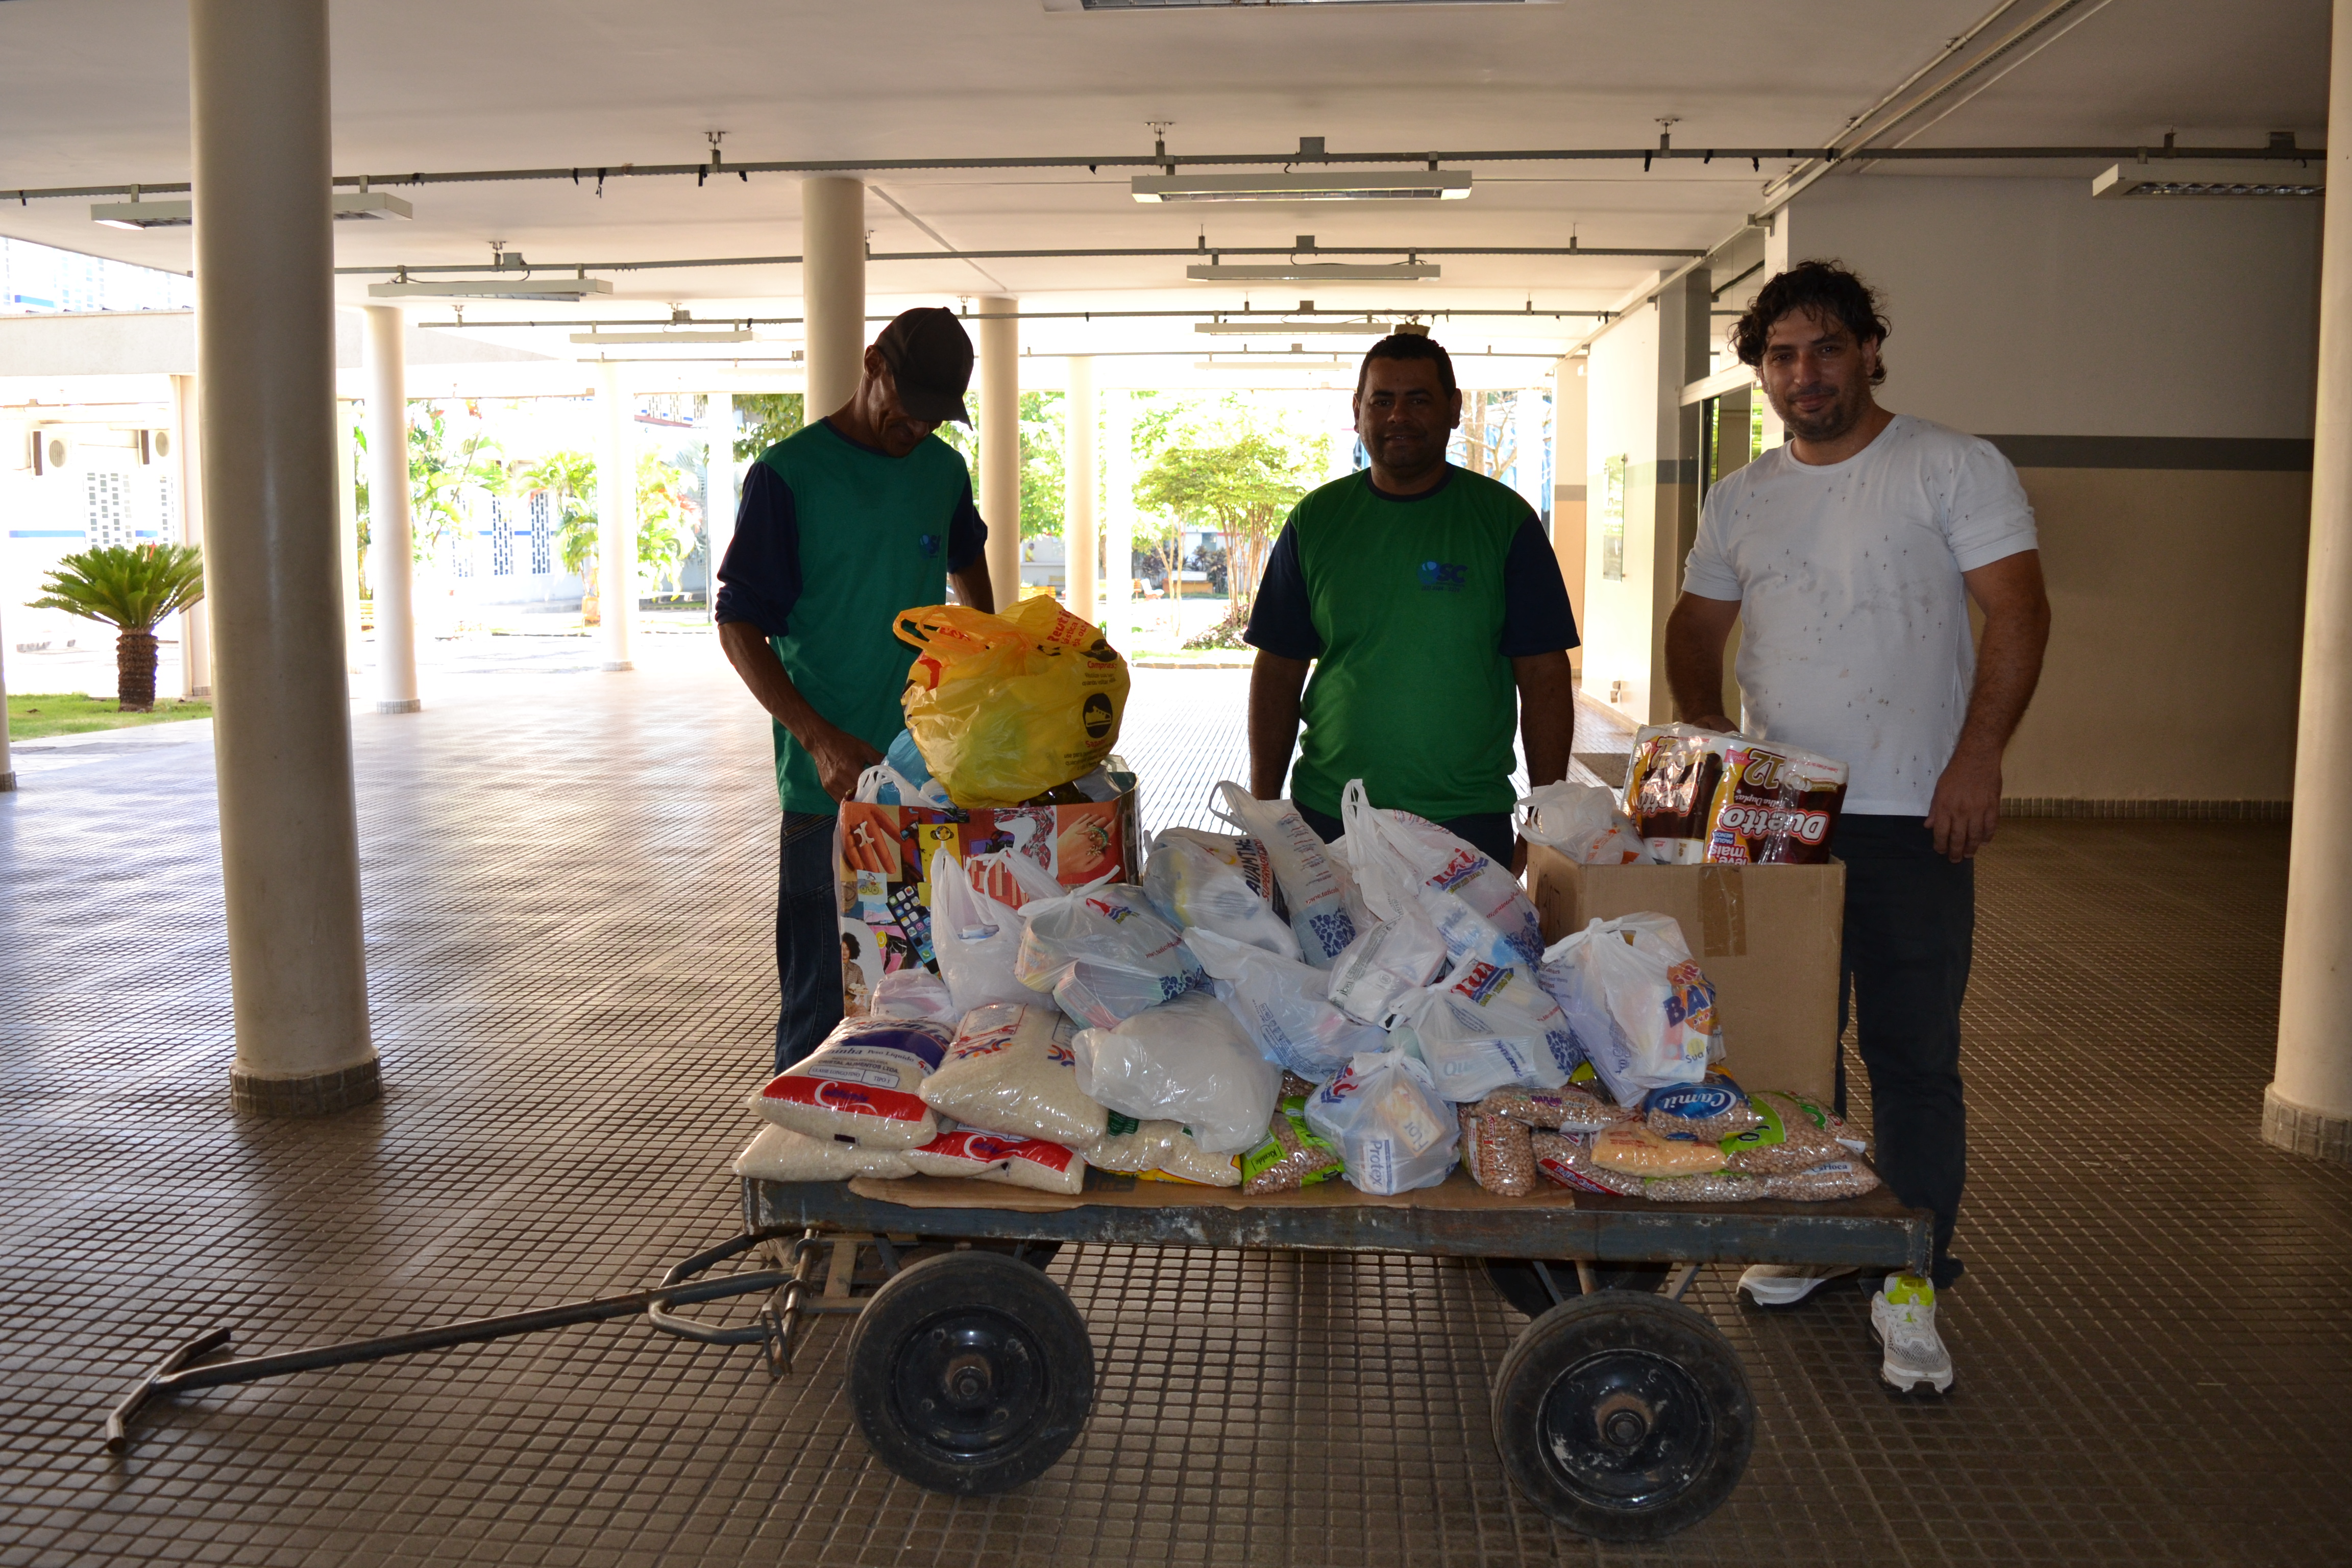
[(1428, 603), (842, 524)]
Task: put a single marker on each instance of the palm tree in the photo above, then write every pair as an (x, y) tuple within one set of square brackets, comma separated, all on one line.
[(129, 587)]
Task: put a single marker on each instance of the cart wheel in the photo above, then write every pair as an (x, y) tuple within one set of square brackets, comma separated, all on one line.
[(971, 1374), (1625, 1417), (1515, 1281)]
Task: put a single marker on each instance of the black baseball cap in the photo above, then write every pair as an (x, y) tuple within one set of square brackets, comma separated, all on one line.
[(929, 354)]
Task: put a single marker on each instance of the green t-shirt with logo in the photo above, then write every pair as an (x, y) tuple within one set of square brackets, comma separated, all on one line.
[(833, 538), (1412, 608)]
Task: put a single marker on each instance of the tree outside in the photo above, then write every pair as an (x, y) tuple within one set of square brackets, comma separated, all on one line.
[(1238, 476), (764, 418), (130, 588)]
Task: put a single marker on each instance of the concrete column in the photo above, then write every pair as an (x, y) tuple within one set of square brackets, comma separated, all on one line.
[(1528, 444), (833, 288), (2308, 1106), (719, 473), (1080, 538), (195, 638), (1118, 517), (347, 530), (282, 742), (616, 515), (392, 540), (7, 766), (999, 445)]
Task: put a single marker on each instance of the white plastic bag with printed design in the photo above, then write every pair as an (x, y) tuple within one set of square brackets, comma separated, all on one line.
[(1639, 1007), (1393, 1131)]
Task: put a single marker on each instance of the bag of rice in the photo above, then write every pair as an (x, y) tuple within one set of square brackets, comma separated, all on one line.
[(1565, 1110), (1567, 1158), (1713, 1108), (1104, 954), (1211, 882), (1188, 1061), (986, 1157), (1012, 1071), (1187, 1162), (1393, 1132), (1498, 1153), (915, 992), (1294, 1155), (1325, 912), (781, 1155), (1638, 1150), (1848, 1178), (1131, 1147), (1280, 1002), (863, 1083), (1707, 1187), (1784, 1139), (1388, 960)]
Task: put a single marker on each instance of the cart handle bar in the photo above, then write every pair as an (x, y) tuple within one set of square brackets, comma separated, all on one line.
[(172, 1375)]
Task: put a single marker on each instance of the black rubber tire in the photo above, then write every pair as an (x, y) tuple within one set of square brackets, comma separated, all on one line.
[(970, 1373), (1035, 1254), (1624, 1416), (1515, 1281)]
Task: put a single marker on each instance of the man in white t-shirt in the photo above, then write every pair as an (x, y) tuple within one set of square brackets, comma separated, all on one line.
[(1848, 557)]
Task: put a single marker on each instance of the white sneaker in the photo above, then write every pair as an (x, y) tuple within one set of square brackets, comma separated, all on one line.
[(1903, 1316), (1786, 1284)]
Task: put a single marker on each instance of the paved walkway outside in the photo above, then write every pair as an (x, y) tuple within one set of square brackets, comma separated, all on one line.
[(568, 883)]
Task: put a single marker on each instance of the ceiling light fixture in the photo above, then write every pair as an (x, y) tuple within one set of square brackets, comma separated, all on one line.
[(2179, 179), (1337, 186), (716, 335), (1314, 272), (1292, 328), (135, 213), (565, 290)]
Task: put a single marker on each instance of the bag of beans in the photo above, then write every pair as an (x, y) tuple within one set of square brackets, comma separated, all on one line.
[(986, 1157), (1784, 1139), (1637, 1150), (1567, 1158), (1706, 1187), (779, 1154), (1293, 1156), (1498, 1153), (1012, 1070), (1713, 1108), (1564, 1110), (1847, 1178), (864, 1082)]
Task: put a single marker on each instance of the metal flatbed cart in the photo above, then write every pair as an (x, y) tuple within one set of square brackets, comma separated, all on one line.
[(1620, 1412)]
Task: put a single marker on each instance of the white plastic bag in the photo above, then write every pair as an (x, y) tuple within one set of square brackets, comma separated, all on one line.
[(1010, 1071), (1194, 881), (1393, 1132), (886, 785), (781, 1155), (1281, 1003), (1582, 822), (1104, 954), (1642, 1010), (861, 1083), (915, 992), (1484, 1028), (1325, 909), (976, 940), (1188, 1061), (1476, 906), (1389, 958)]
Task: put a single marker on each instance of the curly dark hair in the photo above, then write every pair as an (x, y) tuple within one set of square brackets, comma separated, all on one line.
[(1408, 346), (1824, 288)]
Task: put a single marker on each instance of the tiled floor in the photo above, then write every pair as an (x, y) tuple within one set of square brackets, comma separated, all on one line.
[(568, 885)]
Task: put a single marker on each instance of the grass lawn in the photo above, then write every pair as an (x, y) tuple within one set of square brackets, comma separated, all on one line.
[(34, 714)]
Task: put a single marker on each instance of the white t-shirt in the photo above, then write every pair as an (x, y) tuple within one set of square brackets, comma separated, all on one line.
[(1853, 620)]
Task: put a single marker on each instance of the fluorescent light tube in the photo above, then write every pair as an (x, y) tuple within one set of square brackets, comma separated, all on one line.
[(2192, 179), (557, 288), (374, 205), (1333, 186)]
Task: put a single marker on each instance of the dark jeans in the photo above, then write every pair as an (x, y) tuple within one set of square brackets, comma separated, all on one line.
[(1491, 833), (808, 936), (1910, 929)]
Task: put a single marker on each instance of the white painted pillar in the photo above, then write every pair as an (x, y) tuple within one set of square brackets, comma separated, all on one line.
[(999, 445), (1080, 538), (616, 515), (188, 436), (8, 764), (347, 530), (833, 288), (391, 539), (1118, 517), (718, 485), (282, 743), (1527, 443), (2308, 1106)]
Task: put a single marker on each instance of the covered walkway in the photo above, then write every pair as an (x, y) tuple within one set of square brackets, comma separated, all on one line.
[(570, 970)]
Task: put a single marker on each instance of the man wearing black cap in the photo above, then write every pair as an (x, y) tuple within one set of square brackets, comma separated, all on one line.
[(844, 523)]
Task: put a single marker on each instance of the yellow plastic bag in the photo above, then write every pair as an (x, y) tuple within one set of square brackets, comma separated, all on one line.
[(1003, 708)]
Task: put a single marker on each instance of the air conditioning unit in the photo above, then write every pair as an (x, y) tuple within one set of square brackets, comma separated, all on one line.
[(53, 451)]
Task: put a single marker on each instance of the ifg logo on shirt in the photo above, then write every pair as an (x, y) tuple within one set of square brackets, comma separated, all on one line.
[(1444, 575), (929, 543)]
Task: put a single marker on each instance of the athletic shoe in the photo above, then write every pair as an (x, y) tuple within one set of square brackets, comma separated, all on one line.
[(1903, 1316), (1786, 1284)]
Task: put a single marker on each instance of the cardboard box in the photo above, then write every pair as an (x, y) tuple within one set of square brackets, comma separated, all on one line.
[(1766, 937), (882, 857)]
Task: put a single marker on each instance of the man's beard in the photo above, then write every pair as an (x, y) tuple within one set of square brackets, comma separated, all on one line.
[(1831, 423)]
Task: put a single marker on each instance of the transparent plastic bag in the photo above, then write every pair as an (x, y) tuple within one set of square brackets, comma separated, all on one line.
[(1567, 1158), (781, 1155), (1188, 1162), (1393, 1132), (1483, 1028), (1325, 911), (1642, 1010), (1293, 1156), (976, 940), (1498, 1154), (1197, 884), (1847, 1178), (1707, 1188), (1476, 906), (1582, 822), (1280, 1002), (1012, 1071), (915, 992), (1564, 1109), (1714, 1108), (1104, 954), (1390, 959), (1635, 1150), (1130, 1146), (1187, 1061)]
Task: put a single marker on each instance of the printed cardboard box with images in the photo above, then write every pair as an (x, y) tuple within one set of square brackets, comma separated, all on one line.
[(1766, 937), (882, 859)]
